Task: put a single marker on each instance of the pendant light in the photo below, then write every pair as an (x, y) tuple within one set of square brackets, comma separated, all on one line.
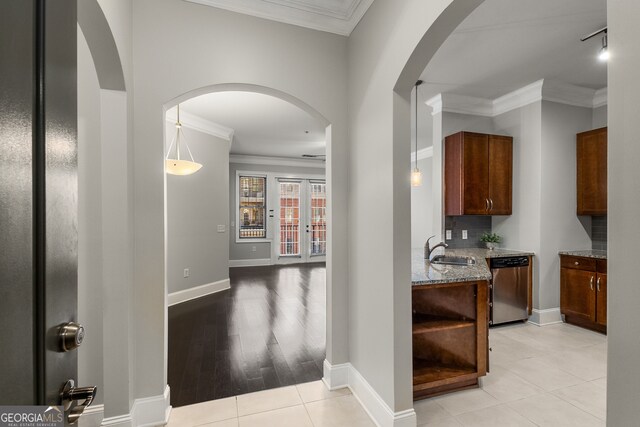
[(416, 175), (178, 166)]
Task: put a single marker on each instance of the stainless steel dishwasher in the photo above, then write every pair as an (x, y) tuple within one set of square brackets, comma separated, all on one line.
[(509, 289)]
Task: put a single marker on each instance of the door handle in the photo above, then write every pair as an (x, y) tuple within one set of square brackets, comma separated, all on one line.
[(591, 282), (598, 284), (490, 204), (83, 395), (486, 204)]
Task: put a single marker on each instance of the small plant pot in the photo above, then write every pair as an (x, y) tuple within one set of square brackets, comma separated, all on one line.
[(491, 245)]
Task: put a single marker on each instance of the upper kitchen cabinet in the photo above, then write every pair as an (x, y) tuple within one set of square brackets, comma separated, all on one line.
[(478, 174), (592, 172)]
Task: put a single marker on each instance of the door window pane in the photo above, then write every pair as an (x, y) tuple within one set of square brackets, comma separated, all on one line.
[(289, 218), (318, 219)]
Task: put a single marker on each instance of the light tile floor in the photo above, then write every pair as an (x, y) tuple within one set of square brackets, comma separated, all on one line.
[(549, 376)]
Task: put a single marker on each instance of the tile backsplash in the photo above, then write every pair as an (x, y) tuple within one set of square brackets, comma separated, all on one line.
[(475, 226), (599, 232)]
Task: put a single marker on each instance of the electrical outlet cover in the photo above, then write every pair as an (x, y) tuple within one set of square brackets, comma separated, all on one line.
[(465, 236), (448, 235)]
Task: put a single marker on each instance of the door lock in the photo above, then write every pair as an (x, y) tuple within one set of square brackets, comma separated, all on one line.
[(71, 336), (83, 395)]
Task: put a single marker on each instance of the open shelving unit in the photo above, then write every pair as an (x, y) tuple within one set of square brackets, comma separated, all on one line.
[(450, 337)]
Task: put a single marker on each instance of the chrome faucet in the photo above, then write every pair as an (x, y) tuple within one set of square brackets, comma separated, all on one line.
[(428, 250)]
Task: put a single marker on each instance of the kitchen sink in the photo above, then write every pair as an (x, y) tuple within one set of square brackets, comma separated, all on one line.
[(453, 260)]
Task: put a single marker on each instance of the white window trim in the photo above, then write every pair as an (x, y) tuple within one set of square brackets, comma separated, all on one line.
[(271, 182)]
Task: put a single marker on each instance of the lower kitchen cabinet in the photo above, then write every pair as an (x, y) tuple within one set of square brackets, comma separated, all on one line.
[(450, 337), (583, 292)]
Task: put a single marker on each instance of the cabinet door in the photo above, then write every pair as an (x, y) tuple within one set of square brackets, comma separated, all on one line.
[(592, 172), (577, 293), (601, 300), (476, 173), (500, 174)]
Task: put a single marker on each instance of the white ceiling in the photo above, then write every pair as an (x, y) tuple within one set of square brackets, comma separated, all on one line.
[(263, 125), (505, 45), (334, 16)]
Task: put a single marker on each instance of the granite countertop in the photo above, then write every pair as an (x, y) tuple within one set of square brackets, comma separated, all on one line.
[(425, 273), (589, 253)]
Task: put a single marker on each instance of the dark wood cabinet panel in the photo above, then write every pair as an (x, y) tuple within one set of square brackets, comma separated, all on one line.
[(591, 150), (583, 291), (577, 296), (500, 174), (450, 337), (601, 299), (478, 174)]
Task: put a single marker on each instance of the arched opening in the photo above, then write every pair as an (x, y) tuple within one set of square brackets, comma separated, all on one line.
[(295, 193), (555, 118)]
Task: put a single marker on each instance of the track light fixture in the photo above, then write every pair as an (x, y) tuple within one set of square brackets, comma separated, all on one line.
[(604, 51)]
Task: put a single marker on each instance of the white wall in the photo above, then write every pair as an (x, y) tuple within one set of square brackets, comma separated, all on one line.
[(599, 117), (90, 354), (196, 205), (422, 205), (623, 317), (560, 227), (179, 47), (243, 250)]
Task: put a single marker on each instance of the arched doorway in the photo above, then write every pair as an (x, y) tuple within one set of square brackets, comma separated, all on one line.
[(246, 219)]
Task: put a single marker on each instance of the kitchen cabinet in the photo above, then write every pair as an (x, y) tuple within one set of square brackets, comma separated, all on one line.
[(478, 174), (450, 337), (583, 291), (591, 150)]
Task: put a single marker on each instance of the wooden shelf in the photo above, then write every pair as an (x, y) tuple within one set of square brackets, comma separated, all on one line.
[(427, 374), (424, 324)]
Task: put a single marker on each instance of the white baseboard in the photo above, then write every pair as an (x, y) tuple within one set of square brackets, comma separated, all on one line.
[(336, 376), (198, 291), (152, 411), (545, 317), (345, 375), (92, 416), (146, 412), (250, 262)]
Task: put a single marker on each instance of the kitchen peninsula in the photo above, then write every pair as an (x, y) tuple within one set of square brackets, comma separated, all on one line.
[(450, 305)]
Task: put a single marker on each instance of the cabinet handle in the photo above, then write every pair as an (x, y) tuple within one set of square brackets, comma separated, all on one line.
[(591, 282), (576, 263), (486, 205), (490, 204), (598, 284)]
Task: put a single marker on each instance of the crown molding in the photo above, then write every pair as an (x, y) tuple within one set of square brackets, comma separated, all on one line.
[(423, 153), (601, 97), (547, 90), (298, 12), (202, 125), (276, 161)]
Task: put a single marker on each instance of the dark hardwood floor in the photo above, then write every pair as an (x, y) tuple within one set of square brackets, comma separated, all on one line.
[(267, 331)]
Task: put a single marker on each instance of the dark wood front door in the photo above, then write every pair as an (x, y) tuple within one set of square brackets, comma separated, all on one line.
[(38, 198)]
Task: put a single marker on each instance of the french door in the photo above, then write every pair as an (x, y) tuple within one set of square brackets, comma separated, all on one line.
[(301, 222)]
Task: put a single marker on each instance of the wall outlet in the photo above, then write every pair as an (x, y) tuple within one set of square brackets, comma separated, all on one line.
[(186, 273), (448, 234), (464, 235), (221, 229), (253, 248)]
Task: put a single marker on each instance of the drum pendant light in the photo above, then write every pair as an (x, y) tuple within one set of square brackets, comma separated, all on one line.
[(416, 175), (178, 166)]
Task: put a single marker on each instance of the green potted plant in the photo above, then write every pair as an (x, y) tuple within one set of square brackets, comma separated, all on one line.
[(490, 239)]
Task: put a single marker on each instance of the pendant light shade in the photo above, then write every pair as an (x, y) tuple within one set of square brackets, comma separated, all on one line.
[(178, 166), (416, 175)]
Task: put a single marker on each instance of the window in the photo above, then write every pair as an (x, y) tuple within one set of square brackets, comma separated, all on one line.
[(318, 218), (252, 207)]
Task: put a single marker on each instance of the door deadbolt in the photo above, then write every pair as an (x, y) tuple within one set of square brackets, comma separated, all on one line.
[(71, 336)]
